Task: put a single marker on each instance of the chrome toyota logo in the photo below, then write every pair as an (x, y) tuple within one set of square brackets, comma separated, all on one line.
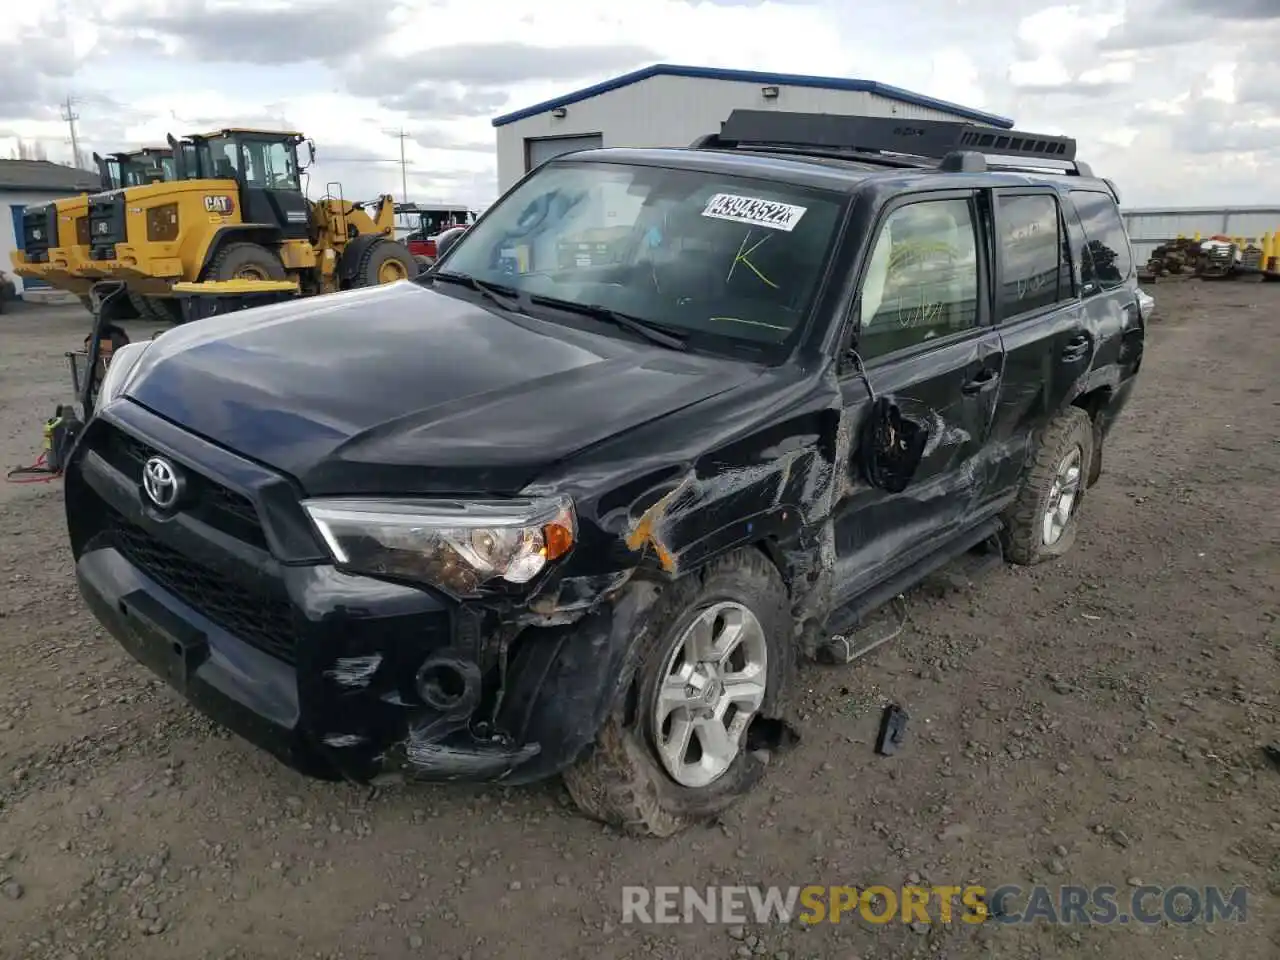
[(162, 482)]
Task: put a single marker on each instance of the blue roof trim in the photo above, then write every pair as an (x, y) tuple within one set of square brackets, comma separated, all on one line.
[(752, 76)]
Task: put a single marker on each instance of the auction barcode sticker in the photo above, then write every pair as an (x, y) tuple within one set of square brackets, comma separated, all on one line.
[(753, 210)]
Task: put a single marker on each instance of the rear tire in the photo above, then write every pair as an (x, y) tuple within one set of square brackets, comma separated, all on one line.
[(384, 262), (626, 779), (1063, 455), (245, 261)]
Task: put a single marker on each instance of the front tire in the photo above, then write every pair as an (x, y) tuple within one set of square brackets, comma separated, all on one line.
[(675, 749), (1041, 524), (385, 262), (245, 261)]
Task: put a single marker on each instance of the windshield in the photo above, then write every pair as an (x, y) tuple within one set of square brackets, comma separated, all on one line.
[(689, 250)]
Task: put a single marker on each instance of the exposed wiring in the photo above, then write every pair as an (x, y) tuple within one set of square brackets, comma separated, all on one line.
[(38, 472), (861, 368)]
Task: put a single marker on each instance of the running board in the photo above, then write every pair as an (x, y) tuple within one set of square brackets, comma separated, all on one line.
[(850, 616)]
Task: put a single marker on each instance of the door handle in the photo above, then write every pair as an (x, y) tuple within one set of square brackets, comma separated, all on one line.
[(1077, 347), (982, 380)]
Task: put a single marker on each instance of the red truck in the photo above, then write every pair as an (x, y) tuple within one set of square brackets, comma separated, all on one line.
[(425, 222)]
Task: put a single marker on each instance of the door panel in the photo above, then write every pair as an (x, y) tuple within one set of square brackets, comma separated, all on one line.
[(1048, 345), (926, 347), (952, 388)]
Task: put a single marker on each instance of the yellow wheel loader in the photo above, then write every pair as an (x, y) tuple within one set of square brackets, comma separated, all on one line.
[(55, 245), (236, 211)]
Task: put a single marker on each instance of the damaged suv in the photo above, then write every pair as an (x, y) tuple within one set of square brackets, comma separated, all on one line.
[(655, 428)]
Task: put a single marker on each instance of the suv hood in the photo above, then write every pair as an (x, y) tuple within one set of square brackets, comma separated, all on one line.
[(400, 389)]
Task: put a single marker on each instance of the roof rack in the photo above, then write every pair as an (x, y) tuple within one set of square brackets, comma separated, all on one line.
[(946, 144)]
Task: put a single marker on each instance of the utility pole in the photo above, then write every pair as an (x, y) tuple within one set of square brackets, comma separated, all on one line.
[(71, 117), (404, 168)]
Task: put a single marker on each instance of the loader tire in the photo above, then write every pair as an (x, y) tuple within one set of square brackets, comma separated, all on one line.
[(384, 262), (245, 261), (145, 307)]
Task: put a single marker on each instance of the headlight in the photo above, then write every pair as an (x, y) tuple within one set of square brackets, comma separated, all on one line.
[(123, 360), (455, 545)]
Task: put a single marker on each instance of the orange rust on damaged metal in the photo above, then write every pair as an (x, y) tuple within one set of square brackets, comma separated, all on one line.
[(645, 532)]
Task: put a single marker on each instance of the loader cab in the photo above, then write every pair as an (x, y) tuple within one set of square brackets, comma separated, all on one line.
[(264, 165), (136, 168)]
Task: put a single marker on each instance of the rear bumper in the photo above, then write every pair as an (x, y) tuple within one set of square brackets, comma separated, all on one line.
[(325, 670)]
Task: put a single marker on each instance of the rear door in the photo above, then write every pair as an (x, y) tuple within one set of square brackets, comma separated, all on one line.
[(925, 342), (1108, 283), (1048, 343)]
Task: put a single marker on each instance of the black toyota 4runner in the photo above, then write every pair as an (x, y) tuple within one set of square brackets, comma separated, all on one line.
[(656, 427)]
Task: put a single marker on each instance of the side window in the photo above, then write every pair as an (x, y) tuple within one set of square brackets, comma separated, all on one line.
[(922, 281), (1036, 265), (1106, 260)]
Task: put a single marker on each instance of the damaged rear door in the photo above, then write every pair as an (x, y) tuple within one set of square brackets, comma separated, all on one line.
[(1048, 343), (932, 360)]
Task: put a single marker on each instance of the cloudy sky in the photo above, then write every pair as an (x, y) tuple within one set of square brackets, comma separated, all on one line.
[(1177, 100)]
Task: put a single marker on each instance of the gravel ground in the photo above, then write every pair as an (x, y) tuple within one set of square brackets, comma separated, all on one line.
[(1094, 721)]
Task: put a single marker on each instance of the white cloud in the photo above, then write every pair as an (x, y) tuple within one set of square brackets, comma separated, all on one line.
[(1158, 92)]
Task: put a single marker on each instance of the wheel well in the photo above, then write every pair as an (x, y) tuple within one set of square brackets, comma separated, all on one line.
[(261, 235), (1093, 401)]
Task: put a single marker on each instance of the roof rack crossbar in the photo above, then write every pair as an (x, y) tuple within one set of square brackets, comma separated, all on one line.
[(929, 139)]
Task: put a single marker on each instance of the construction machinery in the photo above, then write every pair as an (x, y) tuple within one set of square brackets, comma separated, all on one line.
[(236, 210), (55, 240), (427, 222)]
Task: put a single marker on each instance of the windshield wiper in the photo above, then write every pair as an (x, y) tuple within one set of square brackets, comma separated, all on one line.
[(502, 297), (644, 328)]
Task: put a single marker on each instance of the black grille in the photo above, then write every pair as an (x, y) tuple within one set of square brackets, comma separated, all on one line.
[(106, 226), (262, 621), (210, 502), (39, 232)]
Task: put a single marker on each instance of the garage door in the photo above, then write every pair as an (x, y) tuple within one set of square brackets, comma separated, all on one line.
[(538, 151)]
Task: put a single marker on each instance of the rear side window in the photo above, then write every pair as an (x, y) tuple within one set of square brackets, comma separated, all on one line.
[(1034, 257), (1106, 260)]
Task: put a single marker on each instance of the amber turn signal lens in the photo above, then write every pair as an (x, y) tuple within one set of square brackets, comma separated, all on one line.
[(558, 540)]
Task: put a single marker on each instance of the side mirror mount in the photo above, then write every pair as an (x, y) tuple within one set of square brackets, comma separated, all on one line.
[(446, 241), (892, 446), (311, 152)]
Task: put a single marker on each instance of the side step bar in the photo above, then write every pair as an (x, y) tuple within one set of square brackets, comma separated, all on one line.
[(852, 615)]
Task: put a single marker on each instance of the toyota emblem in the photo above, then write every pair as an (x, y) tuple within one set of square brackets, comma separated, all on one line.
[(162, 482)]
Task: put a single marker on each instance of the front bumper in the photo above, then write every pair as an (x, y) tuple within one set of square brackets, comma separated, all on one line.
[(231, 602)]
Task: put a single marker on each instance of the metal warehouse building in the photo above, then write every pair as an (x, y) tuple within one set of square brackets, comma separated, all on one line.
[(24, 182), (671, 106)]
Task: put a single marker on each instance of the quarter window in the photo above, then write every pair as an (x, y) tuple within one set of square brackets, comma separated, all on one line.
[(922, 280), (1106, 260), (1035, 259)]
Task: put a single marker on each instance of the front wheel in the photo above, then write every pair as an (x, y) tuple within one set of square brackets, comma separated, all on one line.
[(1042, 522), (385, 262), (676, 748)]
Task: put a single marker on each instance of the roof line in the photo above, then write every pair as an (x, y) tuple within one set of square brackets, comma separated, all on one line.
[(752, 76)]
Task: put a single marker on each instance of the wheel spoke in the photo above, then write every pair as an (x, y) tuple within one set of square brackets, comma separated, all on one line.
[(676, 746), (673, 696), (699, 644), (745, 690), (718, 750)]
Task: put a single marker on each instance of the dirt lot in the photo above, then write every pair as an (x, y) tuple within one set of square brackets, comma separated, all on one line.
[(1095, 721)]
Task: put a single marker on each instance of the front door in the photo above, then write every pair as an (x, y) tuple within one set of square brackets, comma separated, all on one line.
[(925, 343), (270, 189)]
